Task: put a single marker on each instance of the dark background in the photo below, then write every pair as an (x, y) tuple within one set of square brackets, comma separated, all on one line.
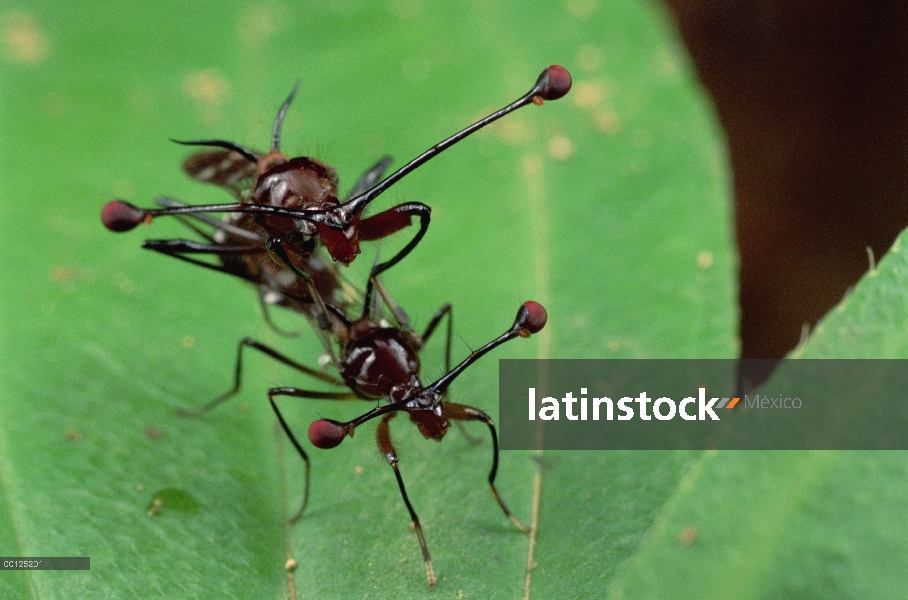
[(812, 97)]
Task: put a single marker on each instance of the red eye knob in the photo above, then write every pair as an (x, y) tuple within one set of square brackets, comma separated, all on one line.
[(326, 434), (531, 317), (556, 82), (121, 216)]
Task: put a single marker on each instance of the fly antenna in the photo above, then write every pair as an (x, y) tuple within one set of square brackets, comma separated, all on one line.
[(246, 153), (276, 134)]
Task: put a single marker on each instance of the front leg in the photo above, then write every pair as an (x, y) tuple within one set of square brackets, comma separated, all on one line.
[(388, 222), (460, 412), (180, 248), (383, 433)]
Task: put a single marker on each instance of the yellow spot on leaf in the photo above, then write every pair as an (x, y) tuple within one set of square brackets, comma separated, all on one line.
[(23, 39), (510, 131), (123, 188), (258, 23), (589, 94), (561, 147), (209, 89), (126, 285), (532, 166), (688, 535), (606, 120), (581, 8), (589, 58)]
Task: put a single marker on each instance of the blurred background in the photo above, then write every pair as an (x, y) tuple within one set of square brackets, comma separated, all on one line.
[(812, 97)]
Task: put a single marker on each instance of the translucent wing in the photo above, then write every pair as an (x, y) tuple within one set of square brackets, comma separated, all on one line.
[(225, 168)]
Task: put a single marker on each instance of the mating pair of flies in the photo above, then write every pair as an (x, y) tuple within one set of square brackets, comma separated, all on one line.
[(285, 211)]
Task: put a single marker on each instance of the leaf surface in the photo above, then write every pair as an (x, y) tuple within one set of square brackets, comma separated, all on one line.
[(611, 207)]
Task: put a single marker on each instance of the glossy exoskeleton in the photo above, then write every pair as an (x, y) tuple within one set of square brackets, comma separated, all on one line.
[(287, 210), (381, 362), (294, 201)]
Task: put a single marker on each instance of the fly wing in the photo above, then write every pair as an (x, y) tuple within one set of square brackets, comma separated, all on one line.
[(370, 177), (225, 168)]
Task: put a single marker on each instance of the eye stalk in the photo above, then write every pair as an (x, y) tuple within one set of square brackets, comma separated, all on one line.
[(553, 83), (339, 226), (425, 407), (326, 433)]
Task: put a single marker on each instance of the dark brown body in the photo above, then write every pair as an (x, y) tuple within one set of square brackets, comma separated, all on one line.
[(287, 208), (383, 363)]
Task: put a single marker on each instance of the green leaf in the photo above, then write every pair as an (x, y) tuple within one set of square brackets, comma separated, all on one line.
[(610, 207), (872, 320), (819, 524)]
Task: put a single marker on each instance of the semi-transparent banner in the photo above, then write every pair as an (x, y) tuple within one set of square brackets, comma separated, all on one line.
[(700, 404)]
